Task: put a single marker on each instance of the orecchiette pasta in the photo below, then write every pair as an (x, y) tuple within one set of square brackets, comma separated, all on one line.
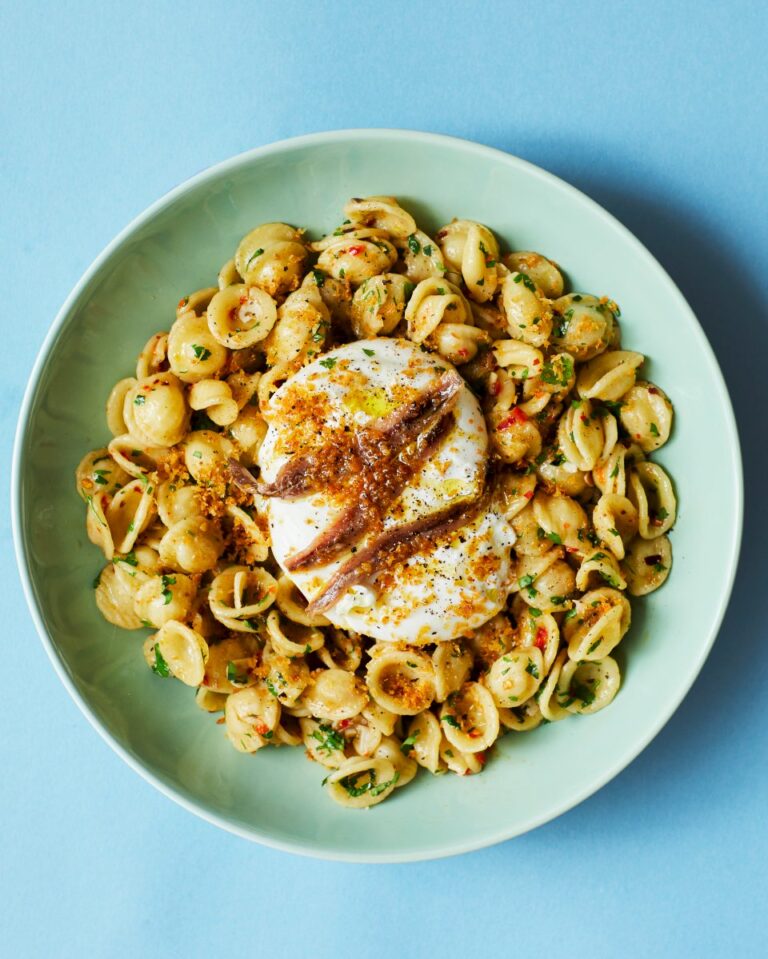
[(192, 557), (543, 272), (646, 414), (241, 316), (271, 257), (597, 623)]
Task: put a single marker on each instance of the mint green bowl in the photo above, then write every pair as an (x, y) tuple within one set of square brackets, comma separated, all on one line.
[(130, 292)]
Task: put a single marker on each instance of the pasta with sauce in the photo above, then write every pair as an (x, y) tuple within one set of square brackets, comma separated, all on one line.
[(383, 496)]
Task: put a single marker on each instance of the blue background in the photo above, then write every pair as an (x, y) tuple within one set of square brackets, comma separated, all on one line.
[(658, 111)]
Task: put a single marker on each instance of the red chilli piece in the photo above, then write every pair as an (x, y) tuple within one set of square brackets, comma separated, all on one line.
[(355, 250), (516, 416), (541, 638)]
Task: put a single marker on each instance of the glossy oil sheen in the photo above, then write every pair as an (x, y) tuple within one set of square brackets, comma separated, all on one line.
[(130, 293)]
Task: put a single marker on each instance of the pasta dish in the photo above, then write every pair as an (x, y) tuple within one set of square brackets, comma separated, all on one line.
[(384, 496)]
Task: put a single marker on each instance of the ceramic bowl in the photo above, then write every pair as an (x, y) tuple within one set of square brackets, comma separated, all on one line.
[(130, 292)]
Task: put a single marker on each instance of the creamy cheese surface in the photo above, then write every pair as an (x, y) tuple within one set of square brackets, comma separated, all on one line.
[(444, 589)]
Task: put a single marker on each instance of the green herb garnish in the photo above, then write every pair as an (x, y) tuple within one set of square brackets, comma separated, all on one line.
[(167, 595), (160, 666), (201, 353), (532, 669), (350, 784), (526, 281), (235, 677)]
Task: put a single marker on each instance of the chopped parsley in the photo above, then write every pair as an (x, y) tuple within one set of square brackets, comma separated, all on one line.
[(167, 595), (525, 580), (407, 744), (532, 669), (235, 677), (369, 352), (583, 693), (369, 785), (319, 277), (329, 362), (253, 256), (160, 666), (329, 740), (451, 720), (413, 244), (655, 430), (526, 281), (139, 400), (201, 353), (550, 376), (318, 332), (556, 539), (129, 558)]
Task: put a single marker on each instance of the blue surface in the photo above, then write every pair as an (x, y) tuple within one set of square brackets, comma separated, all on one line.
[(656, 110)]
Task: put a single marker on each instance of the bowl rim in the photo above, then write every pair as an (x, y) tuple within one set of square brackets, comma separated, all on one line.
[(439, 850)]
